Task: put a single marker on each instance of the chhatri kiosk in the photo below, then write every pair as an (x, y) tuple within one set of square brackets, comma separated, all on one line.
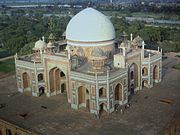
[(90, 66)]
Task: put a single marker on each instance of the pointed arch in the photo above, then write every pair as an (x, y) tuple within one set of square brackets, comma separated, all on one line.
[(102, 92), (118, 92), (40, 77), (82, 94), (102, 108), (133, 77), (57, 80), (145, 71), (26, 80), (155, 72), (63, 88), (144, 83), (83, 97)]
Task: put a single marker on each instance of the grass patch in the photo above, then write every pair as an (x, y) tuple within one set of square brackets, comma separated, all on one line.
[(177, 66), (7, 66)]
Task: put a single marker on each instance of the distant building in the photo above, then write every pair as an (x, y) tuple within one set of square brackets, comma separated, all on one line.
[(95, 70)]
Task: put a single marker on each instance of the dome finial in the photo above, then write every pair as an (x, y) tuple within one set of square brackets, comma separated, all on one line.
[(43, 39)]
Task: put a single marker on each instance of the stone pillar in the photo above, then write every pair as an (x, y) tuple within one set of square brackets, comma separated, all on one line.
[(131, 36), (34, 91), (107, 91), (68, 51), (43, 39), (97, 94), (3, 131), (143, 44), (74, 102), (149, 70), (142, 58), (17, 81), (124, 51), (160, 70), (123, 93), (41, 53), (68, 82), (48, 91)]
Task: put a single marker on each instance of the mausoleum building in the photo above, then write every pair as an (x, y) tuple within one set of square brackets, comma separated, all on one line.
[(89, 66)]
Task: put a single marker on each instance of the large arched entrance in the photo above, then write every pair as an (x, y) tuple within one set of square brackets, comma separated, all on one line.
[(118, 92), (57, 80), (133, 77), (155, 73), (26, 81), (83, 97)]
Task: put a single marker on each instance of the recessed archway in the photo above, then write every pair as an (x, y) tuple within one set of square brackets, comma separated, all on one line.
[(63, 88), (41, 91), (155, 72), (144, 83), (102, 109), (26, 81), (144, 71), (83, 97), (40, 77), (57, 80), (133, 76), (62, 74), (118, 92), (102, 92)]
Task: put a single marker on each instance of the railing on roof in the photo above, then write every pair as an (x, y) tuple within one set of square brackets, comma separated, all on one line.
[(28, 64)]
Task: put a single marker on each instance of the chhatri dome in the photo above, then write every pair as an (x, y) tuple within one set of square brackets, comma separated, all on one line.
[(40, 44), (89, 26)]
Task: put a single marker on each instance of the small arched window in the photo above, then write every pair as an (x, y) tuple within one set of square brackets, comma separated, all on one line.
[(102, 92), (62, 74), (132, 75), (40, 77), (144, 71)]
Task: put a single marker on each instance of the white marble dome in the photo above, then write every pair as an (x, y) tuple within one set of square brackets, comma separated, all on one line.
[(90, 25)]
